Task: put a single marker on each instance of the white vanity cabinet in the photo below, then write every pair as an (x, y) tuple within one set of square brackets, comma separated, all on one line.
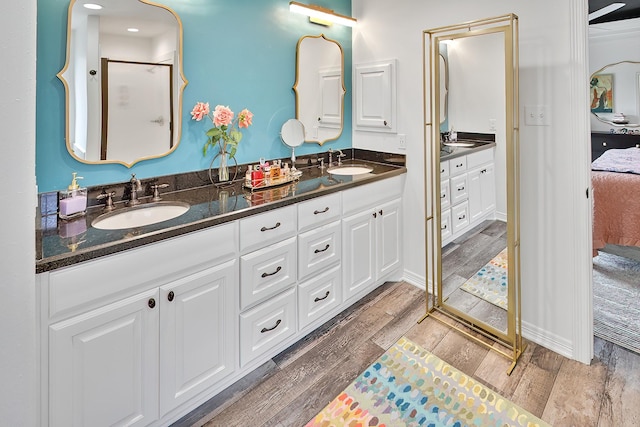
[(370, 235), (467, 193), (114, 360)]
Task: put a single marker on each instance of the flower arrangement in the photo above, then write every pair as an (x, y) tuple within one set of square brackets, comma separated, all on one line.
[(224, 132)]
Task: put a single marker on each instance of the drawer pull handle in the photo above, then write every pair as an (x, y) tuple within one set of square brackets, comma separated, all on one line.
[(271, 329), (270, 228), (323, 298), (462, 217), (460, 188), (271, 274), (322, 211), (151, 303), (444, 227), (171, 296), (441, 170), (317, 251), (375, 214), (380, 212), (459, 165), (443, 196)]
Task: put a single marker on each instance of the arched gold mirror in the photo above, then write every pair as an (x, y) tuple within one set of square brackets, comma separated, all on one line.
[(471, 171), (614, 90), (319, 88), (123, 80)]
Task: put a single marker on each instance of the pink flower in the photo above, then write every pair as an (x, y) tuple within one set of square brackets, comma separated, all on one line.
[(222, 116), (199, 111), (244, 118)]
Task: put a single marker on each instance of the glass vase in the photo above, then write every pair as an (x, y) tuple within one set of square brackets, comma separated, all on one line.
[(223, 169)]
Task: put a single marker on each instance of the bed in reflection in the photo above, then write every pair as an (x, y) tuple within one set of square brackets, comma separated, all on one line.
[(615, 180)]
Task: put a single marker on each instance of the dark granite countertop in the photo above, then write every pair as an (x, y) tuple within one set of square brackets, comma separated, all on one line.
[(60, 243), (453, 152)]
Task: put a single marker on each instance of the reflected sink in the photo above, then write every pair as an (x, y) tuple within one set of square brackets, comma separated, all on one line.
[(465, 143), (349, 170), (140, 215)]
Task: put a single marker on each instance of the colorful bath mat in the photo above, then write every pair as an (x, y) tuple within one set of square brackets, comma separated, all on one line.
[(490, 282), (408, 386)]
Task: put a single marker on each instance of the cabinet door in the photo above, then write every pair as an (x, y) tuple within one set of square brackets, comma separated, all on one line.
[(482, 192), (375, 97), (358, 234), (198, 333), (104, 365), (388, 238)]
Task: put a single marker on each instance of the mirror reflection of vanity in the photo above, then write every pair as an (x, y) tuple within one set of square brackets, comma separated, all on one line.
[(123, 79), (472, 183), (615, 94), (319, 88)]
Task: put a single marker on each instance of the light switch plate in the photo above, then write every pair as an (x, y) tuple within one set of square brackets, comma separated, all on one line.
[(536, 115), (402, 141)]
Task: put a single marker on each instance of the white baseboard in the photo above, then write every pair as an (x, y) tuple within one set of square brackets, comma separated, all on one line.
[(414, 279), (547, 340)]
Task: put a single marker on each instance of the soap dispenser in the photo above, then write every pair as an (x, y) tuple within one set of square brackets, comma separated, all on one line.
[(72, 202)]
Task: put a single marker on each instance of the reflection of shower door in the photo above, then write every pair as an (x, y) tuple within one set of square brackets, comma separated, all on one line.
[(137, 110)]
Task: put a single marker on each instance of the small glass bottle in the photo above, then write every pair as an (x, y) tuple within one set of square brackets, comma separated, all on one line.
[(247, 176), (257, 176), (72, 202)]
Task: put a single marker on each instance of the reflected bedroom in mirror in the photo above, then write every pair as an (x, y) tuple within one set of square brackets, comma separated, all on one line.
[(123, 80), (614, 86), (472, 207)]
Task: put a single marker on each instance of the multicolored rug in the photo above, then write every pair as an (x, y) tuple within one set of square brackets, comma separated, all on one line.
[(408, 386), (490, 282)]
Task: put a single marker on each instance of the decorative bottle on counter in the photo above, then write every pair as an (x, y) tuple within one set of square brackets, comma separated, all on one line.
[(72, 202)]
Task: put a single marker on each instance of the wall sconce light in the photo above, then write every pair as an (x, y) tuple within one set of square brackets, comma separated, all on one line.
[(320, 15)]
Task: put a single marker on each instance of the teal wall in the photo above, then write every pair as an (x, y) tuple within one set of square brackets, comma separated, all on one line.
[(239, 53)]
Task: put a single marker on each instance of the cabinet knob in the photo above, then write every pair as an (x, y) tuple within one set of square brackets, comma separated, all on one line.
[(171, 296), (151, 303), (385, 122)]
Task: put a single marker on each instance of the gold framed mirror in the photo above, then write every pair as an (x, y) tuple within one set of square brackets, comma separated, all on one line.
[(319, 88), (614, 92), (123, 81), (472, 181)]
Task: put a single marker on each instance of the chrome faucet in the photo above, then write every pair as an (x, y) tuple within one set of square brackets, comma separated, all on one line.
[(330, 157), (340, 156), (135, 187)]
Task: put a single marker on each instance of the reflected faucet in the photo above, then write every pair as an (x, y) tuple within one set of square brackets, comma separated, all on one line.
[(135, 187)]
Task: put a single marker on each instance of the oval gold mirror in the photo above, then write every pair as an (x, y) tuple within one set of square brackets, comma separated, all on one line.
[(613, 90), (123, 81), (319, 88)]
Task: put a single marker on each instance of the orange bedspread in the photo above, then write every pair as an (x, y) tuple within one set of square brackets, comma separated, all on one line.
[(616, 209)]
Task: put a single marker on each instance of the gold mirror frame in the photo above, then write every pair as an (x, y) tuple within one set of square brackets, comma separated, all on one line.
[(176, 107), (636, 91), (512, 338), (310, 108)]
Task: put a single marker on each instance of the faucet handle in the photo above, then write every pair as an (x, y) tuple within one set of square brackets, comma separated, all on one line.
[(156, 193), (108, 204)]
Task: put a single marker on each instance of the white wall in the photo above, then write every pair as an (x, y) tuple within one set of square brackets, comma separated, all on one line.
[(18, 193), (554, 167)]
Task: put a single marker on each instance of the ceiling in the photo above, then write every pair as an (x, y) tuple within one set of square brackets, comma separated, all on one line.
[(630, 10)]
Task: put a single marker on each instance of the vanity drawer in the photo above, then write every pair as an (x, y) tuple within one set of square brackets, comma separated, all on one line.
[(318, 211), (267, 325), (319, 249), (479, 158), (318, 296), (369, 195), (445, 194), (259, 231), (266, 272), (444, 169), (459, 189), (457, 165), (460, 217), (445, 225)]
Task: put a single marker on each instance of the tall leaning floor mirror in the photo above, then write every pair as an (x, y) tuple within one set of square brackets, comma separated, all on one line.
[(472, 181)]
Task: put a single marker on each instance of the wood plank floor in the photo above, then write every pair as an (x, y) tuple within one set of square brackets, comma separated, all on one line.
[(292, 387)]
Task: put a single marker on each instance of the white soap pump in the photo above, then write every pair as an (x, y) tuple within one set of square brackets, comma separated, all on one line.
[(72, 202)]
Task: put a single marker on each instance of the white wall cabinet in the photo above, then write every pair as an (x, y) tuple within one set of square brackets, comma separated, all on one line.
[(375, 97)]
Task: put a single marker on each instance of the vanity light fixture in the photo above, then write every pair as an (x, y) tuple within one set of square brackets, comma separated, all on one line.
[(92, 6), (133, 30), (321, 15)]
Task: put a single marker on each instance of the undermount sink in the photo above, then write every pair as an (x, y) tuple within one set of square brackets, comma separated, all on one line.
[(349, 170), (465, 144), (140, 215)]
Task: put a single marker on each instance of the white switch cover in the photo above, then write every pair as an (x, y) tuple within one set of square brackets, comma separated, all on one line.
[(402, 141), (537, 115)]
